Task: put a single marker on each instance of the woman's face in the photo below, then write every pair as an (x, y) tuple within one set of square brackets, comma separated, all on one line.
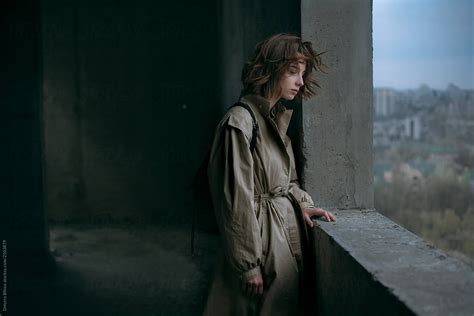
[(292, 80)]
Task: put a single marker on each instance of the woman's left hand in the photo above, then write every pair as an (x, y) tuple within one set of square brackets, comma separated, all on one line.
[(316, 211)]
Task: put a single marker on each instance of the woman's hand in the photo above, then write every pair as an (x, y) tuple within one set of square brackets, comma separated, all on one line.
[(315, 211), (253, 286)]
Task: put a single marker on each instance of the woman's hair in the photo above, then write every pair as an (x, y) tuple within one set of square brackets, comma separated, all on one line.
[(272, 58)]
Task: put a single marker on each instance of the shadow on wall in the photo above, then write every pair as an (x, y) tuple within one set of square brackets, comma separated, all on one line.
[(128, 109)]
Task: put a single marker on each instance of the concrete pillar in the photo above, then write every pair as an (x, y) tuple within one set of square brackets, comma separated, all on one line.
[(23, 228), (65, 197), (337, 125)]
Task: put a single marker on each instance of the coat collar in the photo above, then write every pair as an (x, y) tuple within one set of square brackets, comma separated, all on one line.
[(282, 114)]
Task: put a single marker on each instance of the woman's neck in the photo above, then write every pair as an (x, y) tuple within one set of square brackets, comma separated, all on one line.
[(273, 100)]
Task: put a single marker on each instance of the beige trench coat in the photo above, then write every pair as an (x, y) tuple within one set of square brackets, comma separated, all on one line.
[(258, 204)]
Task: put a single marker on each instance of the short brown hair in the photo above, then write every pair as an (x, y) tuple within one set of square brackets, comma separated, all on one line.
[(272, 57)]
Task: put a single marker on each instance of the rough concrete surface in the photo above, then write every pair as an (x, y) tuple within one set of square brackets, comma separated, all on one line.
[(424, 278), (337, 124), (129, 105), (142, 271)]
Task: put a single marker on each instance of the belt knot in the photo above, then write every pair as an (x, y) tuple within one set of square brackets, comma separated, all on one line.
[(275, 192)]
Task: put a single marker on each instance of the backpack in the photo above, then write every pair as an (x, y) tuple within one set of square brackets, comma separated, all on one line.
[(200, 186)]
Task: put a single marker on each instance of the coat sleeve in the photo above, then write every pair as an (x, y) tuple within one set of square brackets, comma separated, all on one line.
[(232, 188), (303, 197)]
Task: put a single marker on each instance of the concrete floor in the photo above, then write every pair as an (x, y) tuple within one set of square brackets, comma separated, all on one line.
[(119, 270)]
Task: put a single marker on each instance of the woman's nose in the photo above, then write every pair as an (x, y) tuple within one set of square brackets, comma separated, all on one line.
[(300, 81)]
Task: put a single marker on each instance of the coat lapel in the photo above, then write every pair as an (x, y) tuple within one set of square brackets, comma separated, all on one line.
[(282, 114)]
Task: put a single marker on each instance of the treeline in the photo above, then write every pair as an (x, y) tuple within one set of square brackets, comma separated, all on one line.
[(438, 206)]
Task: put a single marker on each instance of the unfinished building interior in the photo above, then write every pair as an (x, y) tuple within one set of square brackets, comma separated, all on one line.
[(108, 108)]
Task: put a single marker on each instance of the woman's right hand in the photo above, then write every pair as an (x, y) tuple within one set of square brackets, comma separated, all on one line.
[(253, 286), (319, 212)]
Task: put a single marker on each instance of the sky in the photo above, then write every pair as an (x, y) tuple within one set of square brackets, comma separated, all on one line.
[(423, 42)]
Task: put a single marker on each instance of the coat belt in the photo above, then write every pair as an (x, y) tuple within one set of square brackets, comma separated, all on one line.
[(276, 192)]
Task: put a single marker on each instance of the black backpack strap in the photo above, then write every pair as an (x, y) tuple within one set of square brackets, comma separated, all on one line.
[(253, 141)]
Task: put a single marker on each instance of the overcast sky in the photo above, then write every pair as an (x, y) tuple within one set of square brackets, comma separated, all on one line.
[(423, 41)]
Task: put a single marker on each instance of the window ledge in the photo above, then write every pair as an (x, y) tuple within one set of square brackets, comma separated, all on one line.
[(368, 264)]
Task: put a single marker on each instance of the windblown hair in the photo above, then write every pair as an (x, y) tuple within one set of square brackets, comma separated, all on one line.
[(272, 58)]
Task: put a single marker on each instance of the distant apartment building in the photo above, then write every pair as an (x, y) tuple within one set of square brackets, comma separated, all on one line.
[(412, 127), (388, 132), (384, 101), (423, 115)]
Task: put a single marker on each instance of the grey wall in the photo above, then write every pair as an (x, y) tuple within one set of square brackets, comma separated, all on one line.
[(345, 286), (23, 228), (129, 106), (132, 93), (338, 124), (368, 265)]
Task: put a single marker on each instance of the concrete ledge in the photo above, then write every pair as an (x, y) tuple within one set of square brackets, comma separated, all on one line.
[(368, 265)]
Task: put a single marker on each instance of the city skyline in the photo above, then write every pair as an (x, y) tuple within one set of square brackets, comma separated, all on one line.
[(423, 42)]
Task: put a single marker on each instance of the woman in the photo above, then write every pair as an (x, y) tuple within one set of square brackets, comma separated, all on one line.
[(260, 207)]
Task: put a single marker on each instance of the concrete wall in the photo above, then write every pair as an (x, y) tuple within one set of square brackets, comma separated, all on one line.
[(124, 90), (129, 106), (132, 93), (368, 265), (337, 125), (23, 228), (365, 263)]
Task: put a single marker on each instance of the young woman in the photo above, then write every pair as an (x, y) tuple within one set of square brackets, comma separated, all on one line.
[(260, 207)]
